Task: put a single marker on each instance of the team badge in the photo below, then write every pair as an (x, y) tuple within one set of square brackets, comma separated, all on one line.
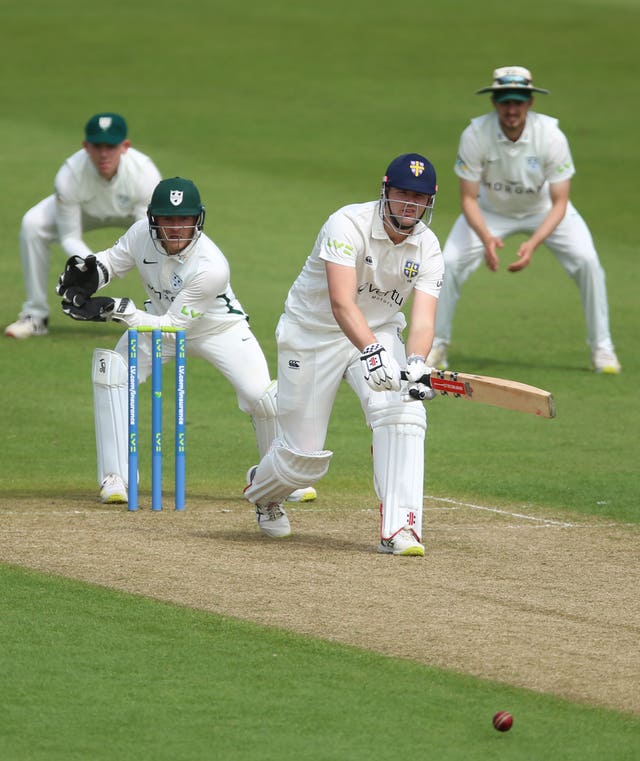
[(104, 122), (175, 196), (532, 161), (411, 269), (417, 167), (176, 282)]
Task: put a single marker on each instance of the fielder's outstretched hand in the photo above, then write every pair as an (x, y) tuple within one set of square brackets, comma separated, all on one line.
[(381, 371), (80, 279), (417, 368), (99, 309)]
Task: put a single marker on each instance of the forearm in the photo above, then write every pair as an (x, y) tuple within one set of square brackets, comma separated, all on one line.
[(354, 325)]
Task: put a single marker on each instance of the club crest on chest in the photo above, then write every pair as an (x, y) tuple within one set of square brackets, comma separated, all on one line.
[(411, 269)]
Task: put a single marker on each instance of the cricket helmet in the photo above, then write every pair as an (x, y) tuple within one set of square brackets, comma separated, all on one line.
[(415, 173), (175, 197)]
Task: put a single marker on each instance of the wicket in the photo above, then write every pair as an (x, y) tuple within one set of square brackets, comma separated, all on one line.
[(156, 416)]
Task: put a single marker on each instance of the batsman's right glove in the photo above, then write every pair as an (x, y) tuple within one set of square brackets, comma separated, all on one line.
[(416, 370)]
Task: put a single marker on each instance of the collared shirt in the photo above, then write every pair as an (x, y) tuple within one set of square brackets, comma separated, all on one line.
[(84, 198), (515, 176), (386, 274), (194, 295)]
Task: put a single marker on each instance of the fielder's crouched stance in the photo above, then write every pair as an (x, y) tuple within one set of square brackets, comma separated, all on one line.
[(187, 280), (343, 320)]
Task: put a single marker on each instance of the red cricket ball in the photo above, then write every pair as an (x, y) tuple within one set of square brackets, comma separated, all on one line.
[(503, 721)]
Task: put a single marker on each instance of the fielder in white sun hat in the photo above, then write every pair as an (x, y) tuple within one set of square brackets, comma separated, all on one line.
[(512, 83)]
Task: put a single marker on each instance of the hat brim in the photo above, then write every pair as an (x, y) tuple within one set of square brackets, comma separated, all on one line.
[(105, 140), (511, 88)]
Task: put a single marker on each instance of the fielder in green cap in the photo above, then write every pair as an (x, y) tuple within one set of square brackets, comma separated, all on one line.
[(105, 184)]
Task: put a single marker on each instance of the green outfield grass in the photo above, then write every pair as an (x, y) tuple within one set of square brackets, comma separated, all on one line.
[(118, 677), (281, 113)]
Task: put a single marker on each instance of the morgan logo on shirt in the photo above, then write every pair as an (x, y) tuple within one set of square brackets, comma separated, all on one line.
[(411, 269)]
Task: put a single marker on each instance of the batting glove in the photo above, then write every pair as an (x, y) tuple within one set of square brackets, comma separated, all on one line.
[(417, 368), (381, 371)]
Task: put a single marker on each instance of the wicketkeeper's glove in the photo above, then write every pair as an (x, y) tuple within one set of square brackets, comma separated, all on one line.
[(100, 309), (381, 371), (81, 278)]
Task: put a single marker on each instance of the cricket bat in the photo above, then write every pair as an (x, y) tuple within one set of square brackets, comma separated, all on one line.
[(499, 392)]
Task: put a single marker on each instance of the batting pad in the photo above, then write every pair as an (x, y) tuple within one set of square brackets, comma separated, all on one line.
[(398, 466), (264, 418), (282, 470), (110, 405)]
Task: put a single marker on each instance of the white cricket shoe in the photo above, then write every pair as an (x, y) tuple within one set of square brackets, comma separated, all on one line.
[(403, 543), (605, 361), (112, 490), (308, 494), (303, 495), (438, 357), (27, 326), (272, 520)]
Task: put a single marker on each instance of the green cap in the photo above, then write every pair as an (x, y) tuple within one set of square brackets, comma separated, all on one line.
[(106, 128), (175, 197)]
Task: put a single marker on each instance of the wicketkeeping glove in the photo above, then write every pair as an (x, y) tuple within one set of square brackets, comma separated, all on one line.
[(80, 279), (416, 369), (99, 309), (381, 371)]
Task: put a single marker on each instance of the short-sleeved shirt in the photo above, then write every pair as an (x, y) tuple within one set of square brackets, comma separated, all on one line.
[(195, 295), (515, 176), (82, 193), (354, 236)]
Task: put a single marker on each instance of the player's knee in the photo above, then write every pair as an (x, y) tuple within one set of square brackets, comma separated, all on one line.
[(397, 413)]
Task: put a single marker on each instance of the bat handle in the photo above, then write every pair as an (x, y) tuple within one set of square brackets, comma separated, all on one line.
[(425, 379)]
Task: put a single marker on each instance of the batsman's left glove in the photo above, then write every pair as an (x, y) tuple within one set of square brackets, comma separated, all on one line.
[(417, 368), (99, 309)]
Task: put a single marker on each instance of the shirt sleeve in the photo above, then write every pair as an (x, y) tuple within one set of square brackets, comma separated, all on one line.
[(146, 185), (431, 274), (469, 160), (559, 163), (339, 241), (68, 214)]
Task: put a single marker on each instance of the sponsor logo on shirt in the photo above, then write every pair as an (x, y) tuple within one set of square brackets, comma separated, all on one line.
[(390, 298)]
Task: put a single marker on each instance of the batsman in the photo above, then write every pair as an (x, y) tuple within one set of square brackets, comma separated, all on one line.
[(187, 280), (343, 320)]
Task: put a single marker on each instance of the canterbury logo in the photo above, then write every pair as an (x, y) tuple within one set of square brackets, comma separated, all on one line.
[(417, 168), (176, 196)]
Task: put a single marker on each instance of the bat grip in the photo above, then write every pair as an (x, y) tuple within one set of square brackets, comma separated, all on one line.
[(425, 379)]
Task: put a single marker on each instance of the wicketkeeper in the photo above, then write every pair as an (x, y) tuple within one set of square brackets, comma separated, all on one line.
[(187, 281), (343, 321)]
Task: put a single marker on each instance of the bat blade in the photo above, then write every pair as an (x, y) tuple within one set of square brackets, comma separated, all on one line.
[(498, 392)]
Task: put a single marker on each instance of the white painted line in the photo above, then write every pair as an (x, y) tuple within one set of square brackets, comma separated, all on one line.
[(534, 518)]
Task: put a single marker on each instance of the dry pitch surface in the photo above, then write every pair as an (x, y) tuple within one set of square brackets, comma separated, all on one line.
[(515, 596)]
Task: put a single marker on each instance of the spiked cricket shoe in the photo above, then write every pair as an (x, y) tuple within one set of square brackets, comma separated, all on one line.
[(273, 521), (605, 361), (403, 543), (27, 326), (112, 490)]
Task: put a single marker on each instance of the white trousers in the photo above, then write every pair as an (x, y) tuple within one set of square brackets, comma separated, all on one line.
[(37, 234), (311, 366), (571, 244)]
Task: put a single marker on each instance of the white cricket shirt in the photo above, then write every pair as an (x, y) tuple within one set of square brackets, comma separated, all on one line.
[(354, 236), (82, 194), (195, 296), (514, 177)]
